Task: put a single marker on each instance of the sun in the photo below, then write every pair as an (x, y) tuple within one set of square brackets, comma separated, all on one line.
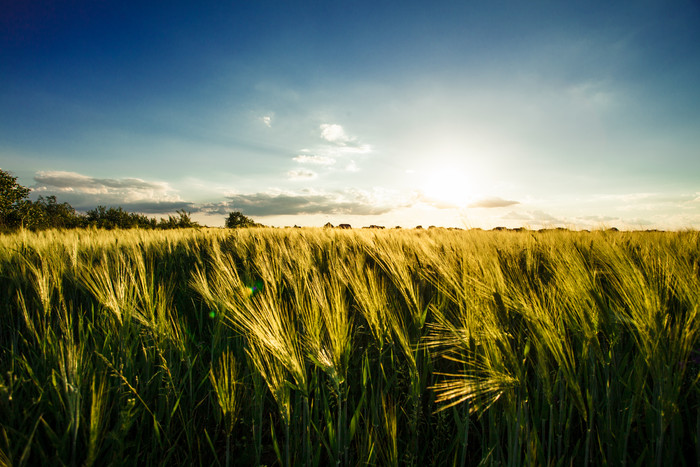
[(449, 188)]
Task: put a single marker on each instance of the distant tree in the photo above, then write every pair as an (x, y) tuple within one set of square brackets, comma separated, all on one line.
[(12, 196), (117, 218), (237, 219), (181, 221)]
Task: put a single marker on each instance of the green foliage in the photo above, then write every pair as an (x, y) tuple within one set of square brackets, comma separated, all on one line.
[(237, 219), (325, 346), (112, 218), (12, 195), (117, 218), (47, 213)]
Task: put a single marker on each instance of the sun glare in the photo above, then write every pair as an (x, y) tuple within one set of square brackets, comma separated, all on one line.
[(449, 187)]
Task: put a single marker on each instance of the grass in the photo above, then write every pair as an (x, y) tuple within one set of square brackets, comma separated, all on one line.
[(320, 346)]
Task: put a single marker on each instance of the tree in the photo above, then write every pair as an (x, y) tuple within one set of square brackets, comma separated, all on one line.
[(12, 195), (117, 218), (47, 213), (181, 221), (237, 219)]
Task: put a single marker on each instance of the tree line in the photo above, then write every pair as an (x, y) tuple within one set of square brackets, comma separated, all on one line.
[(18, 211)]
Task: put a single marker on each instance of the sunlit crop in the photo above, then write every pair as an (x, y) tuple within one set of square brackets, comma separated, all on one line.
[(324, 346)]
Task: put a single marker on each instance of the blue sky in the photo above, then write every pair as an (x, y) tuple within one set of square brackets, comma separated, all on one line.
[(467, 114)]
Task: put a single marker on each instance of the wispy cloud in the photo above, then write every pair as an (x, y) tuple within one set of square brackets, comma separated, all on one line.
[(535, 217), (314, 159), (598, 219), (436, 203), (301, 174), (592, 95), (337, 143), (494, 202), (352, 167), (660, 202), (488, 203)]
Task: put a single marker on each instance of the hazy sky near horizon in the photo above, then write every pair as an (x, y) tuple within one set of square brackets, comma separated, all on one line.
[(476, 114)]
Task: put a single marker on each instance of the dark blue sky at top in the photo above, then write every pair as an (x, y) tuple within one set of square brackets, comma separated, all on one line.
[(121, 53), (109, 83)]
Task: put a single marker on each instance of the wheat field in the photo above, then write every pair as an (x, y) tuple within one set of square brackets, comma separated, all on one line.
[(270, 346)]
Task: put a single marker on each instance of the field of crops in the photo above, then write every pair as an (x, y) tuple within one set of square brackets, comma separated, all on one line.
[(323, 346)]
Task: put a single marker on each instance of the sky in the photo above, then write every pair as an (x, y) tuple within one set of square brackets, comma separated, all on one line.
[(450, 113)]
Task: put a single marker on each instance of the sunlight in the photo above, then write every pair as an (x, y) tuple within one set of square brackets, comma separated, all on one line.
[(449, 187)]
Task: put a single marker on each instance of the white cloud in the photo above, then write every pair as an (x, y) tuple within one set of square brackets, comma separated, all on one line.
[(340, 141), (356, 149), (301, 175), (267, 120), (337, 144), (314, 159), (334, 133)]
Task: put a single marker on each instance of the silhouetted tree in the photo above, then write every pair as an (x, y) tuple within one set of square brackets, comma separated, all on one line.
[(237, 219), (113, 218), (181, 221), (12, 196)]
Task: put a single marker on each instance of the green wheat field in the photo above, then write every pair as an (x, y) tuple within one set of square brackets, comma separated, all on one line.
[(270, 346)]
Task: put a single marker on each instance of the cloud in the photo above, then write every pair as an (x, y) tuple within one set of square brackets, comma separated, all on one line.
[(334, 133), (70, 181), (355, 149), (661, 202), (494, 202), (591, 95), (440, 203), (350, 202), (341, 143), (267, 120), (638, 222), (420, 197), (157, 207), (626, 197), (85, 192), (536, 217), (301, 174), (337, 144), (314, 159), (599, 219)]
